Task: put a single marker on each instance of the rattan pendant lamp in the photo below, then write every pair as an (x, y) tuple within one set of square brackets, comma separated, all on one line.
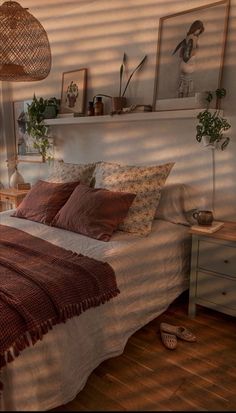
[(25, 53)]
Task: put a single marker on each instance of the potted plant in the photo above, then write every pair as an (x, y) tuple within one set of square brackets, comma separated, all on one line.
[(119, 101), (212, 126), (211, 130), (36, 113)]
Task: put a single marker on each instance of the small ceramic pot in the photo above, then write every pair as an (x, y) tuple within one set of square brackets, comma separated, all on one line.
[(203, 217), (118, 103)]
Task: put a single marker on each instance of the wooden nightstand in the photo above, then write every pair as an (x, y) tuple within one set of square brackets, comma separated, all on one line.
[(12, 197), (213, 270)]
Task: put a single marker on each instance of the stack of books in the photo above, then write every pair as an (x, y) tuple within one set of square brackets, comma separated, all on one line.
[(215, 226)]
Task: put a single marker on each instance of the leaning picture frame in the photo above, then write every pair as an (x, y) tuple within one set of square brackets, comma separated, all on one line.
[(73, 92), (24, 143), (190, 56)]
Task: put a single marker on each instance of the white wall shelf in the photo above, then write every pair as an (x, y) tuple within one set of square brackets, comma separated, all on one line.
[(126, 117)]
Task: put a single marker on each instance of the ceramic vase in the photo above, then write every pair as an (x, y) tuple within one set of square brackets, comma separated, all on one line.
[(16, 178)]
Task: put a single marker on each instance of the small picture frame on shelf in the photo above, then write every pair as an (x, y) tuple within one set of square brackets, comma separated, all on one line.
[(73, 93)]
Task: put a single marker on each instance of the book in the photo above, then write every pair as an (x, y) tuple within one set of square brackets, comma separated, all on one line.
[(65, 115), (215, 226)]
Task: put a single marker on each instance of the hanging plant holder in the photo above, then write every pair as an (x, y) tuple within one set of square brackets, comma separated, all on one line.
[(25, 53)]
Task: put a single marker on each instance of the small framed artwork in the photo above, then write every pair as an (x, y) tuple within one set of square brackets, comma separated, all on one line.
[(73, 93), (190, 56), (25, 149)]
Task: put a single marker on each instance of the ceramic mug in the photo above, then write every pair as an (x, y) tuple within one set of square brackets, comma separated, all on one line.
[(203, 217)]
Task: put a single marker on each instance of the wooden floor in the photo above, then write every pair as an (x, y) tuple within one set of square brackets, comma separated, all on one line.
[(147, 376)]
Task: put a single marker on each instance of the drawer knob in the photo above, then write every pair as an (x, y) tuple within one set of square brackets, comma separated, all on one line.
[(224, 293), (226, 261)]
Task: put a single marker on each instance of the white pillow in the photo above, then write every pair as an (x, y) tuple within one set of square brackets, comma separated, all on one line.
[(62, 172), (144, 181), (178, 202)]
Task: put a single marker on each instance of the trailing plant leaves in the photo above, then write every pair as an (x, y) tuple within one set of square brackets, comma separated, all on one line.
[(212, 124)]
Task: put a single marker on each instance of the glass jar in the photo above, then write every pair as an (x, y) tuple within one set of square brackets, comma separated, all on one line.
[(98, 106), (90, 110)]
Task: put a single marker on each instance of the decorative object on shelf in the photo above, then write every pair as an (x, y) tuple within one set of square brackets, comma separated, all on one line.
[(211, 128), (16, 178), (177, 77), (51, 108), (137, 108), (73, 93), (119, 102), (90, 109), (36, 128), (98, 106), (25, 53)]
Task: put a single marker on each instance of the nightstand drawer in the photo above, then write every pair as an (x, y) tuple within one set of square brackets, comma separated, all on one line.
[(217, 257), (7, 198), (218, 290)]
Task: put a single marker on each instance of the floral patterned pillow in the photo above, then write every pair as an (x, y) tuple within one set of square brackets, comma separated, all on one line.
[(145, 181), (62, 172)]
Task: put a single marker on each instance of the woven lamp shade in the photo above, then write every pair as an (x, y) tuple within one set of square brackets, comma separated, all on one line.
[(25, 53)]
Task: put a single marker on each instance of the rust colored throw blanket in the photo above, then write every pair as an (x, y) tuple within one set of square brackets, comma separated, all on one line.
[(41, 285)]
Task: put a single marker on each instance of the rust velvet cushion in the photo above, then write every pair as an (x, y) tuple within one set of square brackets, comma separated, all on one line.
[(95, 213), (44, 200)]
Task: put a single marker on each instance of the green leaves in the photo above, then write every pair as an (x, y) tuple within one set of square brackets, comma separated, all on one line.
[(35, 126), (212, 124), (130, 77)]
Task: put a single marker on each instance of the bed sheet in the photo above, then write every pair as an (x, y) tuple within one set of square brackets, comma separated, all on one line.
[(150, 272)]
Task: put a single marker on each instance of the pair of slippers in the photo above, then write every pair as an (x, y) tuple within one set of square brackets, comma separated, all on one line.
[(170, 333)]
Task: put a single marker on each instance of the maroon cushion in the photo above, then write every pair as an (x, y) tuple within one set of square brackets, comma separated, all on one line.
[(94, 212), (44, 200)]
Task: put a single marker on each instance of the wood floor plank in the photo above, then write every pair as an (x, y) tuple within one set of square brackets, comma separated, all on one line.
[(198, 376)]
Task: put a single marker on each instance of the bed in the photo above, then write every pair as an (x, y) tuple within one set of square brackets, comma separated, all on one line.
[(54, 370), (121, 215)]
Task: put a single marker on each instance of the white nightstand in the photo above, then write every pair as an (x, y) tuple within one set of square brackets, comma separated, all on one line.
[(213, 270)]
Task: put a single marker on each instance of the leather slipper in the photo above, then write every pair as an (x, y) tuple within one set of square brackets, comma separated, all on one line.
[(180, 331), (169, 340)]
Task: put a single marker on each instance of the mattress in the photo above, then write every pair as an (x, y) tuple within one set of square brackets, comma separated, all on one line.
[(150, 271)]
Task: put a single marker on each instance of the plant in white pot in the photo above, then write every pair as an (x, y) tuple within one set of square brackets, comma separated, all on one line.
[(212, 126), (211, 129)]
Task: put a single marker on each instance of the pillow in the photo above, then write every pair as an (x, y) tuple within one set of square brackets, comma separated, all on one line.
[(93, 212), (144, 181), (177, 203), (61, 172), (44, 200)]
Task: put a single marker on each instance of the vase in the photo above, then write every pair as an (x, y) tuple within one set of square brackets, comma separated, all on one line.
[(118, 103), (16, 178)]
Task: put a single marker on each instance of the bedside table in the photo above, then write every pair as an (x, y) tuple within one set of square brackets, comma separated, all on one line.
[(213, 270), (12, 197)]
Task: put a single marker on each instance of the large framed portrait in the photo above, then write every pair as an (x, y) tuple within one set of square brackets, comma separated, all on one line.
[(73, 93), (25, 149), (190, 56)]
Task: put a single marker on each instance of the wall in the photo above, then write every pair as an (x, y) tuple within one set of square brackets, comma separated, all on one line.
[(95, 34)]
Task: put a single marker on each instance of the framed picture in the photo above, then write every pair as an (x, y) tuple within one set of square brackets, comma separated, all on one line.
[(25, 149), (73, 92), (190, 56)]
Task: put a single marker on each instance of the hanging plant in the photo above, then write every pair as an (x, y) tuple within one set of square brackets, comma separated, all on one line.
[(213, 125), (35, 126)]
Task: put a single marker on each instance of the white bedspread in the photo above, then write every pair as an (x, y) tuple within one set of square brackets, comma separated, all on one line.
[(150, 271)]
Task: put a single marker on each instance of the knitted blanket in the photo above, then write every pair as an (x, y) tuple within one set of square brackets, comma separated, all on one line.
[(41, 285)]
